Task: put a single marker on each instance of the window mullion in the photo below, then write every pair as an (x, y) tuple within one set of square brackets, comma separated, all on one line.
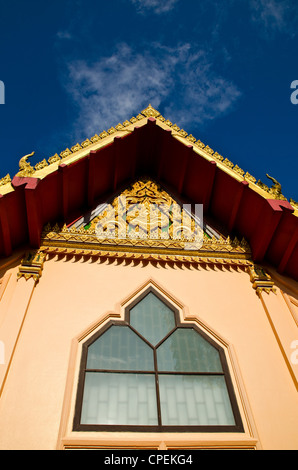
[(121, 371), (157, 388)]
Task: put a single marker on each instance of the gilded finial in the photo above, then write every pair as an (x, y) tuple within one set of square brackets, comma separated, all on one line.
[(25, 168), (275, 189), (150, 112), (23, 162)]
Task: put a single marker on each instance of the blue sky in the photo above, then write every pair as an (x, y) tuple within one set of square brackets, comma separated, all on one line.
[(222, 70)]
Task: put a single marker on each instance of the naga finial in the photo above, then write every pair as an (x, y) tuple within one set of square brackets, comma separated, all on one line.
[(25, 168), (276, 187), (23, 162)]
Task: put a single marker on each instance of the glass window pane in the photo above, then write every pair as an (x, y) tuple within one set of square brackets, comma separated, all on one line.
[(187, 351), (152, 318), (122, 399), (119, 348), (194, 400)]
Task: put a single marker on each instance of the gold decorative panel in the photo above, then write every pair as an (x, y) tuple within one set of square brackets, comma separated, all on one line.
[(145, 222)]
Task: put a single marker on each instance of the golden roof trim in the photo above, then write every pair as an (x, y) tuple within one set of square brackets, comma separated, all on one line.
[(80, 150), (5, 180), (260, 279), (144, 256), (32, 265), (81, 240)]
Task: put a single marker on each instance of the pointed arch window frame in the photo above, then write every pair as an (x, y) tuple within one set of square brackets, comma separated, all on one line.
[(78, 426)]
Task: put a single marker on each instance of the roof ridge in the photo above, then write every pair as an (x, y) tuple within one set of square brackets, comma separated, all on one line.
[(150, 112)]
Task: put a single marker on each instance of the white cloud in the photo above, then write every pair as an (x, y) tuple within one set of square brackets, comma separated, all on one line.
[(119, 86), (157, 6), (275, 16), (64, 35), (116, 87), (203, 94)]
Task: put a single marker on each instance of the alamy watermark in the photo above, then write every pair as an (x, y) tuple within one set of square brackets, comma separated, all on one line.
[(294, 94), (153, 221), (2, 92)]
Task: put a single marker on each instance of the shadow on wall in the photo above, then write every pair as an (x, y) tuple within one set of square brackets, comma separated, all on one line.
[(127, 261)]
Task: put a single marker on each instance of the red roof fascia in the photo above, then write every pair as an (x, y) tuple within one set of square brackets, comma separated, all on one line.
[(268, 225)]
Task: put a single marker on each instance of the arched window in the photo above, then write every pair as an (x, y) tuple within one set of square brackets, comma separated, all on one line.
[(152, 373)]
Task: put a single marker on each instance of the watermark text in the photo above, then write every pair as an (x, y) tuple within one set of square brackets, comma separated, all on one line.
[(294, 94), (153, 221), (2, 92)]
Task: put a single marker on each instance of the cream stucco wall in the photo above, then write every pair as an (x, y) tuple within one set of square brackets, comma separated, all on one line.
[(42, 327)]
